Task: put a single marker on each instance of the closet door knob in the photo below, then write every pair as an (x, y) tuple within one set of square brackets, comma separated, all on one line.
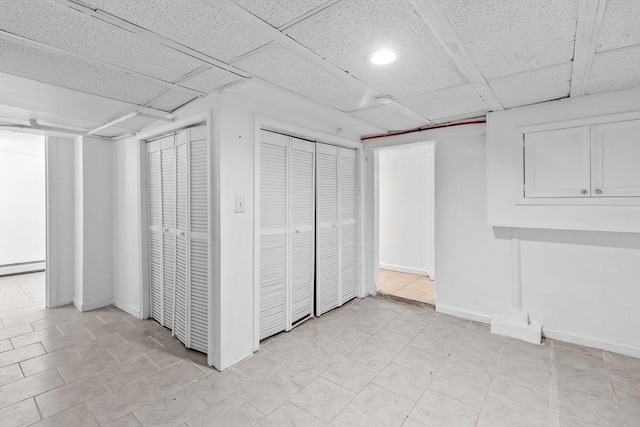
[(598, 191), (584, 191), (297, 230)]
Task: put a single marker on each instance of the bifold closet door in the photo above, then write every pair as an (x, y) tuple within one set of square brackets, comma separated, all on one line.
[(336, 255), (177, 175), (286, 231)]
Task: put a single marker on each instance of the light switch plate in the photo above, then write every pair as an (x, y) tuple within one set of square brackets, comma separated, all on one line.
[(239, 203)]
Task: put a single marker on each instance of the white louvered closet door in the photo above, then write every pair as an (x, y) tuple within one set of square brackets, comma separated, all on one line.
[(178, 189), (336, 253), (168, 184), (273, 233), (198, 291), (154, 197), (301, 228), (347, 223), (327, 256), (182, 262)]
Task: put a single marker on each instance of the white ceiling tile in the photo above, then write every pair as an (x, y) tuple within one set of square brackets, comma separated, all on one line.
[(534, 86), (280, 66), (19, 60), (615, 70), (64, 28), (507, 37), (210, 80), (621, 25), (388, 118), (348, 31), (279, 12), (193, 23), (171, 100), (449, 102)]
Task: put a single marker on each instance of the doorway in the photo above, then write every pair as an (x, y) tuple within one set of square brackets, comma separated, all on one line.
[(22, 221), (406, 223)]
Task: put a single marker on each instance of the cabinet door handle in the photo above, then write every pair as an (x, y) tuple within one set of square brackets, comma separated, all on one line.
[(584, 191), (598, 191)]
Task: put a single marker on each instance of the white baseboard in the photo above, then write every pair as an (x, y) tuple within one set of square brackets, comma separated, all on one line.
[(591, 342), (88, 306), (463, 314), (403, 269), (7, 270), (126, 307), (62, 301)]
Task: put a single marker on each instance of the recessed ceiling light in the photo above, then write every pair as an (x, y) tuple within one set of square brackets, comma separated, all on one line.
[(382, 57)]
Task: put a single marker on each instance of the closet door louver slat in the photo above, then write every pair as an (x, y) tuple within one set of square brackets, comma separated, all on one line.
[(155, 229), (348, 212), (181, 283)]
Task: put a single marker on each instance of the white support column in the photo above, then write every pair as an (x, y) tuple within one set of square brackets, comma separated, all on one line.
[(514, 322)]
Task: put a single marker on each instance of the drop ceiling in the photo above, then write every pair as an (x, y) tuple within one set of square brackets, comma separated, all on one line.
[(457, 59)]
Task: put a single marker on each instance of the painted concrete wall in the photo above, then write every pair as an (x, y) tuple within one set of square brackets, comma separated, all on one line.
[(60, 221), (406, 209), (22, 198)]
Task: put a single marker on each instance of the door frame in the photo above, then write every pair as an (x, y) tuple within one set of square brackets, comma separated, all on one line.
[(266, 123)]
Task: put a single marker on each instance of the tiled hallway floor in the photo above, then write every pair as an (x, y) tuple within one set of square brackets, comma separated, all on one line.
[(371, 363), (407, 286)]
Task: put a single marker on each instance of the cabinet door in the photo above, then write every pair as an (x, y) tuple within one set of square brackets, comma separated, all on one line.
[(348, 224), (557, 163), (616, 159)]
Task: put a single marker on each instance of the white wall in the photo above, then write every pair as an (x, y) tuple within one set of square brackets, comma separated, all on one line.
[(60, 220), (406, 209), (22, 201)]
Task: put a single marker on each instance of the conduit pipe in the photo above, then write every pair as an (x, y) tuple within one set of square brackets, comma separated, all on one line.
[(125, 118), (421, 129)]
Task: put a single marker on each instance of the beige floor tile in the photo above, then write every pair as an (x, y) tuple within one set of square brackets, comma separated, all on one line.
[(412, 291), (419, 361), (217, 386), (499, 415), (323, 399), (67, 356), (352, 375), (389, 340), (125, 373), (302, 369), (171, 410), (5, 345), (100, 344), (174, 376), (391, 286), (373, 356), (69, 395), (25, 388), (531, 404), (126, 421), (467, 390), (268, 392), (385, 405), (10, 373), (436, 409), (231, 412), (347, 418), (19, 414), (288, 414), (134, 349), (88, 366), (403, 381), (15, 331), (79, 416), (111, 406), (327, 351), (57, 343)]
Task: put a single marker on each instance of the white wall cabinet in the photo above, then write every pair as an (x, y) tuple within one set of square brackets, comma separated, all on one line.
[(177, 186), (287, 232), (336, 256), (595, 161)]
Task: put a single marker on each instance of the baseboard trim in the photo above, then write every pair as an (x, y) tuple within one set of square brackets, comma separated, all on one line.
[(463, 314), (88, 306), (403, 269), (25, 267), (591, 342), (126, 307), (64, 301)]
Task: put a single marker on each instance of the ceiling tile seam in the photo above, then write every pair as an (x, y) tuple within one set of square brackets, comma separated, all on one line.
[(193, 73), (250, 53), (590, 18), (435, 19), (442, 89), (148, 35), (619, 49), (534, 70), (307, 15), (61, 52), (247, 18)]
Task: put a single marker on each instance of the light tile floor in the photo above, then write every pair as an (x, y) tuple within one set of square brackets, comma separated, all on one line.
[(373, 362), (407, 286)]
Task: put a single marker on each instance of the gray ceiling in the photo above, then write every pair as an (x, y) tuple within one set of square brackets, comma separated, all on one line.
[(457, 58)]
